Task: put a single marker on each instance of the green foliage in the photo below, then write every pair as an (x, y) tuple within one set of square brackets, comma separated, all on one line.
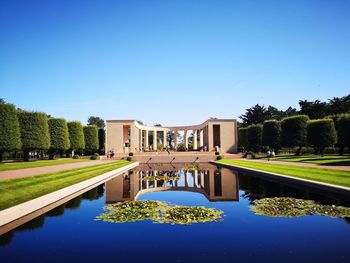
[(76, 135), (242, 137), (321, 133), (344, 129), (95, 156), (59, 136), (158, 212), (129, 158), (254, 136), (292, 207), (10, 136), (131, 154), (101, 139), (294, 131), (97, 121), (181, 147), (91, 138), (75, 156), (34, 131), (271, 135)]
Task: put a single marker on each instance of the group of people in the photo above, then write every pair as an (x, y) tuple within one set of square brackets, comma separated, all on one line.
[(270, 155), (110, 155)]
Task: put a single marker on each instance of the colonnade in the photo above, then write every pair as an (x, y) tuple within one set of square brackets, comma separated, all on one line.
[(144, 138)]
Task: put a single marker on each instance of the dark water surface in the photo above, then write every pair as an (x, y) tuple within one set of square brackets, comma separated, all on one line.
[(70, 232)]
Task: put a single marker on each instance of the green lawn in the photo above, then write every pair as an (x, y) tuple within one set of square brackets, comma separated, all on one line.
[(5, 166), (337, 177), (16, 191), (317, 159)]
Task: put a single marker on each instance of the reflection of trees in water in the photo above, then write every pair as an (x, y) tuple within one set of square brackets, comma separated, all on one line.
[(35, 223), (6, 239), (94, 193), (58, 211), (74, 203)]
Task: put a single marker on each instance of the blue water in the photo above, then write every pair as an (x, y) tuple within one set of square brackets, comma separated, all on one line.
[(70, 233)]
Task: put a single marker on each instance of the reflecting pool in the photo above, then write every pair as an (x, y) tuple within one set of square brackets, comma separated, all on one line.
[(70, 232)]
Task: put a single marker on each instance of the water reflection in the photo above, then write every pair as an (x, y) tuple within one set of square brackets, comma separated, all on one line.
[(214, 183)]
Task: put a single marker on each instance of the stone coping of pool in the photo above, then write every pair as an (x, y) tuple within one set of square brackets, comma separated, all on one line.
[(17, 215), (342, 190)]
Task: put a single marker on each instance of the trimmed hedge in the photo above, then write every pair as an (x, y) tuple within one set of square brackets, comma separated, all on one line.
[(254, 136), (344, 129), (294, 131), (76, 135), (10, 136), (34, 132), (271, 135), (91, 137), (242, 137), (320, 134), (101, 139), (59, 136)]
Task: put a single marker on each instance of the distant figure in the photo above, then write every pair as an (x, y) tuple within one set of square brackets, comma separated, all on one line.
[(273, 154), (268, 155), (112, 154), (205, 148), (167, 149)]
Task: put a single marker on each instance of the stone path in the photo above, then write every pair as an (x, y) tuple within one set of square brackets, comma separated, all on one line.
[(333, 167), (19, 173)]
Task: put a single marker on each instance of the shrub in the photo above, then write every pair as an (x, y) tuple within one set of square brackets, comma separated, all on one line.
[(344, 129), (95, 156), (34, 132), (219, 157), (254, 136), (129, 158), (217, 153), (294, 131), (101, 139), (59, 136), (75, 156), (181, 147), (320, 134), (91, 138), (131, 154), (76, 135), (242, 137), (10, 136), (271, 134)]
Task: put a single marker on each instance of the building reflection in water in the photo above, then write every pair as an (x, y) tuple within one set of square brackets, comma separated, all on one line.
[(216, 184)]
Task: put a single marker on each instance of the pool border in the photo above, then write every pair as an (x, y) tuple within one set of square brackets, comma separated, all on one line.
[(341, 190), (17, 215)]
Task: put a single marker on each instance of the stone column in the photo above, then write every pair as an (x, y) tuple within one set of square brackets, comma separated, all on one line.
[(194, 139), (165, 143), (146, 139), (185, 139), (201, 138), (154, 140), (175, 139)]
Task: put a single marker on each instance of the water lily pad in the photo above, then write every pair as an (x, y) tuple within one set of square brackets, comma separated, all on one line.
[(293, 207), (158, 212)]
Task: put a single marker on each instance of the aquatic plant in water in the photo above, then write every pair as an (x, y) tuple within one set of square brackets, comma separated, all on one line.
[(293, 207), (158, 212)]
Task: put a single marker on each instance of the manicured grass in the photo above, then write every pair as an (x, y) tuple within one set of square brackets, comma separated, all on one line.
[(317, 159), (337, 177), (16, 191), (5, 166)]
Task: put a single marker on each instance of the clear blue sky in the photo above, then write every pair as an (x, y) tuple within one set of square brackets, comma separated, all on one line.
[(171, 62)]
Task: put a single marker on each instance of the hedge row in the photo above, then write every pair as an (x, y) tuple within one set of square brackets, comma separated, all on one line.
[(298, 131)]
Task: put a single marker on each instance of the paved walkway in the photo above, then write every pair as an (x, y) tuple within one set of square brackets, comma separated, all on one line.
[(333, 167), (19, 173)]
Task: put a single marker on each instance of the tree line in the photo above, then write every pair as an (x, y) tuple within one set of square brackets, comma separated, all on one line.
[(297, 131), (313, 109), (28, 131)]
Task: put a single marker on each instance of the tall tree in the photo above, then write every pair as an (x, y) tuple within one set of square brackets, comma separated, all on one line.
[(76, 135), (294, 131), (340, 105), (34, 132), (254, 115), (10, 136), (321, 134), (314, 109), (271, 135), (59, 136), (100, 123)]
